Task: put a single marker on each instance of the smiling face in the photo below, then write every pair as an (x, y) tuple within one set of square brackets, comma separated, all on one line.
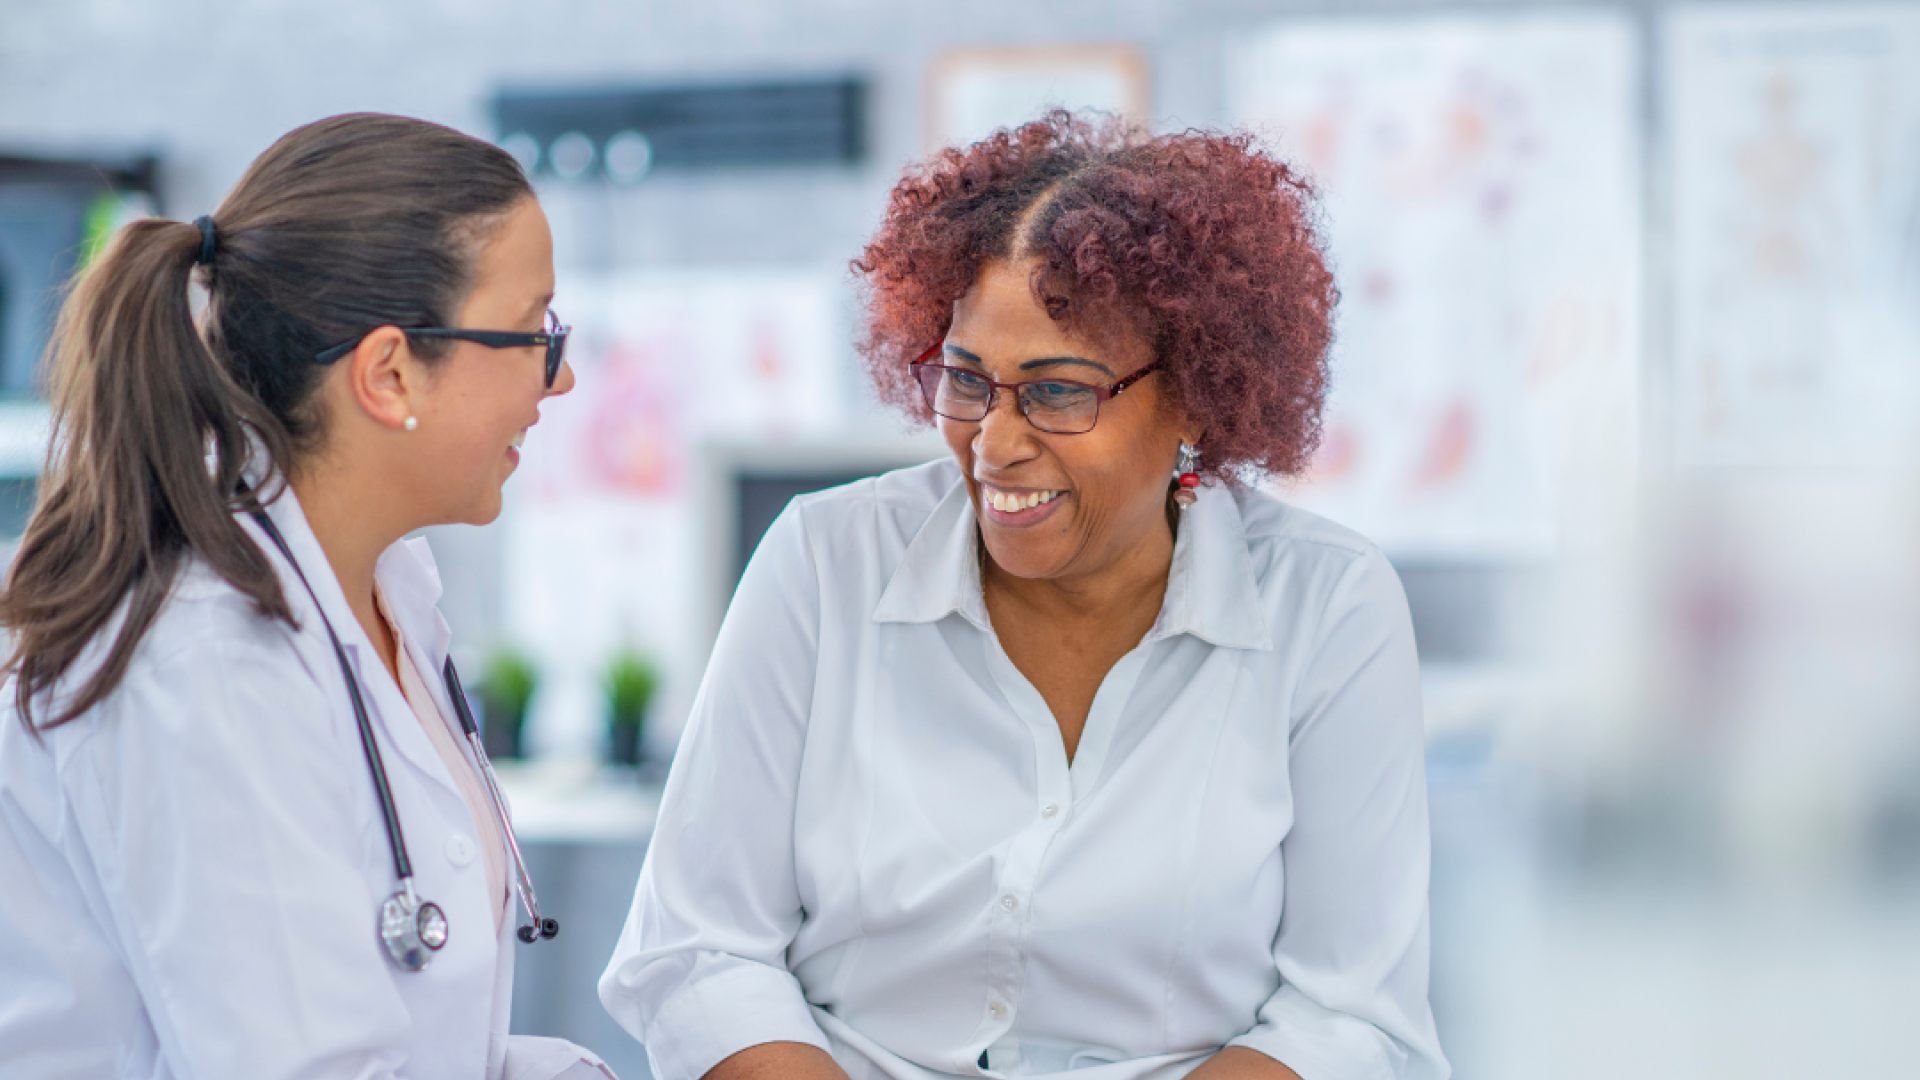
[(1050, 506), (479, 401)]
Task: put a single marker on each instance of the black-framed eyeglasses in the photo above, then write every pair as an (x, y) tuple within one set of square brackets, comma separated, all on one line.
[(553, 339), (1055, 406)]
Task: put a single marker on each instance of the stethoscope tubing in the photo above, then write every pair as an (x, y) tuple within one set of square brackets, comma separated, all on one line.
[(542, 928), (522, 884), (396, 838)]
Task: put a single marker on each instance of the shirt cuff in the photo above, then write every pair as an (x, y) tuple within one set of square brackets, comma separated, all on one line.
[(1321, 1044), (713, 1019)]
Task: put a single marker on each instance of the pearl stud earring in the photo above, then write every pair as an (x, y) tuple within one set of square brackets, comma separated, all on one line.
[(412, 424)]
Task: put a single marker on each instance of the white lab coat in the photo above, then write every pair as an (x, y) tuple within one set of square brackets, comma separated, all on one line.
[(190, 873)]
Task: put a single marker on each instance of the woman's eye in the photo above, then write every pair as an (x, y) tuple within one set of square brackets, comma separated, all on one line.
[(966, 382), (1055, 395)]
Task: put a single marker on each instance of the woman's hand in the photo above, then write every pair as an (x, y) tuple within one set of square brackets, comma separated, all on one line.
[(793, 1061), (1238, 1063)]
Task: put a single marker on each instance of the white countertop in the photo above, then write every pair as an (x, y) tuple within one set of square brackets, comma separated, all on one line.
[(577, 801)]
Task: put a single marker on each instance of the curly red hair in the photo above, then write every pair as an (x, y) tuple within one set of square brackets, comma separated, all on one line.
[(1198, 241)]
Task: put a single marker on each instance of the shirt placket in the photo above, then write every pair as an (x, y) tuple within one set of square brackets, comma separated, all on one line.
[(1057, 789)]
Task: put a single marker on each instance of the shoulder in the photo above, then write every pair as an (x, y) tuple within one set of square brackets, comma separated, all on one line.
[(1298, 553), (843, 545), (205, 617), (902, 499), (874, 519), (206, 638), (1276, 528)]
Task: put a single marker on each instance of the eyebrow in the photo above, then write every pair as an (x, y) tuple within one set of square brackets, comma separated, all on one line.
[(541, 305), (1029, 365), (1051, 360)]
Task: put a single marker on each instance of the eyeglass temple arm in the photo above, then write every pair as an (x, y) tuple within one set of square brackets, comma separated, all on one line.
[(1133, 378)]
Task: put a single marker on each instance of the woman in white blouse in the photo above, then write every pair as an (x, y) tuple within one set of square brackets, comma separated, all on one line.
[(217, 631), (1032, 762)]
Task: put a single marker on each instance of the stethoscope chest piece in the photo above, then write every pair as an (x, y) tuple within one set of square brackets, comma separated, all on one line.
[(413, 931)]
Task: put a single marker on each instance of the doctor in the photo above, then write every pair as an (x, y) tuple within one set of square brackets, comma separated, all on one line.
[(244, 831)]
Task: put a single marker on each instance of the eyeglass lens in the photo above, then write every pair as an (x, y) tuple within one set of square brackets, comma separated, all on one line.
[(556, 347), (1062, 408)]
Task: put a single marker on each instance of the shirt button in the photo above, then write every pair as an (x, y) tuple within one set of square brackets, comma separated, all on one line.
[(997, 1010), (1050, 809), (1010, 902), (460, 849)]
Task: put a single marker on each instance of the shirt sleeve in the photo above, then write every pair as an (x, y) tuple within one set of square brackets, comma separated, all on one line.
[(700, 971), (1352, 945), (221, 811)]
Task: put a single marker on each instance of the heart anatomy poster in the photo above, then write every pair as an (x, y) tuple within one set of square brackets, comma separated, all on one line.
[(603, 528)]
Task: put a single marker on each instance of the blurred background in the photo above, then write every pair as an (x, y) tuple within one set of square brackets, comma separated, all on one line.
[(1626, 379)]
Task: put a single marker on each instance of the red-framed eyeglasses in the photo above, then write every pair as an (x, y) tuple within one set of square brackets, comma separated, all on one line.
[(1056, 406)]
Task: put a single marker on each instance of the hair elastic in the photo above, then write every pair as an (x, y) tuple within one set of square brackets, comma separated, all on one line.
[(207, 243)]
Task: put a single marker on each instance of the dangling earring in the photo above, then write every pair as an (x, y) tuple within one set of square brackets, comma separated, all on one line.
[(1188, 477), (412, 424)]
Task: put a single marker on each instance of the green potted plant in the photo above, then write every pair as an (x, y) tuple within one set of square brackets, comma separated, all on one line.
[(630, 682), (506, 686)]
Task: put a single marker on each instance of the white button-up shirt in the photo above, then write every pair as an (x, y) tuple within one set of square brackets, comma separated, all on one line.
[(872, 840), (191, 872)]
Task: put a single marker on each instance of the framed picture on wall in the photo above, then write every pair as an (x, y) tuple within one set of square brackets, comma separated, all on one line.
[(972, 92)]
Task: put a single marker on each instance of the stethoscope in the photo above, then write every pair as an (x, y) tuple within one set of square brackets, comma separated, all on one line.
[(414, 929)]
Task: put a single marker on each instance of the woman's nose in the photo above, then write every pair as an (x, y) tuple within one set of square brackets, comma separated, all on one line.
[(1005, 437), (562, 381)]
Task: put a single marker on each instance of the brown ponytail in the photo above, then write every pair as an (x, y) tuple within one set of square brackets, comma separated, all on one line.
[(341, 227)]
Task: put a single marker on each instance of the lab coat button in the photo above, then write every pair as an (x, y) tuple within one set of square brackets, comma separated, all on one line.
[(997, 1010), (460, 850), (1010, 902), (1050, 809)]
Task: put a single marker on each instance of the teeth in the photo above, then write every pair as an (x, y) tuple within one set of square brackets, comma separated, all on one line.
[(520, 439), (1008, 503)]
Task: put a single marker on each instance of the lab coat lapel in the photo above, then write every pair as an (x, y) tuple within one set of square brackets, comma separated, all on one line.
[(410, 581), (392, 717)]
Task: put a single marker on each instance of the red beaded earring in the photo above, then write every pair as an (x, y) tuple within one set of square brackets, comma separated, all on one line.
[(1189, 478)]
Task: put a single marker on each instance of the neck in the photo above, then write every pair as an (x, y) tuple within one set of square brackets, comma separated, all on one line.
[(353, 531), (1135, 580)]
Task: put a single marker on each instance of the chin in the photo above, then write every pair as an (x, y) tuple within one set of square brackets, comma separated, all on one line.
[(1023, 560), (482, 510)]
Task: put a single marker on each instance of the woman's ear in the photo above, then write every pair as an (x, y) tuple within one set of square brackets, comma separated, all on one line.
[(383, 376)]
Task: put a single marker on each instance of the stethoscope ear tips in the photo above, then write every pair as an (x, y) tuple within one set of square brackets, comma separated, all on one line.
[(548, 928)]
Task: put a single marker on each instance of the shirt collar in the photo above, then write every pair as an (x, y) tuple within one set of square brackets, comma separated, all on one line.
[(940, 572), (1211, 590)]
